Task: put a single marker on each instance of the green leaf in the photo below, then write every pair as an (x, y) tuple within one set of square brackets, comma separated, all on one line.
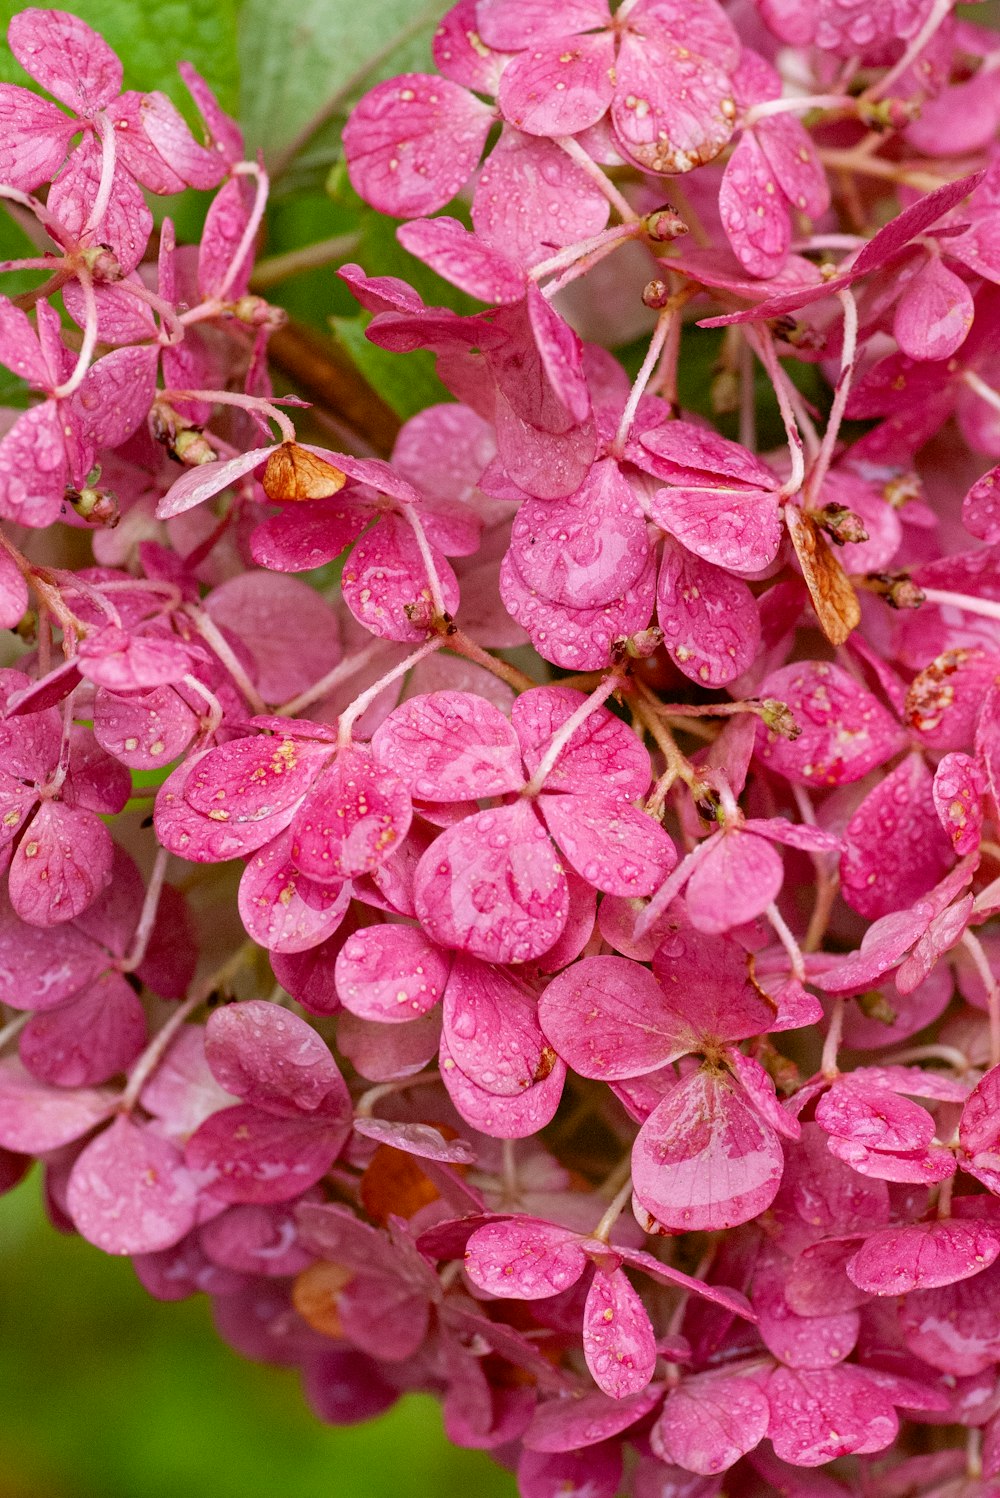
[(151, 38), (406, 382), (307, 66)]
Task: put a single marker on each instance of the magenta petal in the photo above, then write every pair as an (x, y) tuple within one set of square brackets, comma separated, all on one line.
[(738, 878), (462, 258), (607, 1018), (36, 1118), (895, 849), (577, 639), (503, 1117), (492, 886), (618, 1340), (874, 1117), (673, 110), (524, 1258), (145, 729), (61, 865), (385, 583), (450, 746), (129, 1192), (820, 1341), (274, 1060), (205, 838), (602, 749), (355, 816), (490, 1027), (33, 467), (617, 848), (245, 1155), (845, 731), (308, 534), (981, 507), (710, 1421), (290, 631), (34, 138), (923, 1256), (955, 1328), (586, 549), (559, 89), (733, 527), (958, 789), (593, 1473), (390, 973), (127, 222), (532, 198), (753, 210), (934, 313), (252, 780), (413, 141), (283, 910), (820, 1414), (703, 1159), (710, 623), (89, 1039), (707, 983), (574, 1424), (67, 57), (793, 159)]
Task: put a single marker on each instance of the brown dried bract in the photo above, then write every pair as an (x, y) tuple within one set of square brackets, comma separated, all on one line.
[(833, 596), (294, 473), (314, 1296)]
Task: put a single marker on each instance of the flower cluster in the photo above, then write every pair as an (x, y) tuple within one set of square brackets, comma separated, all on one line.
[(545, 957)]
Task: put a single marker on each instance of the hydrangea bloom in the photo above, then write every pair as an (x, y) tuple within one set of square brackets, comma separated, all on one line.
[(588, 1006)]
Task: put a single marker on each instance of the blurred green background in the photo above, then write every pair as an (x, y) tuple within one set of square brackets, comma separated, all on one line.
[(106, 1393)]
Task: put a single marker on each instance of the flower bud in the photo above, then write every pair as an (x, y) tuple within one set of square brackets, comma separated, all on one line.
[(887, 114), (258, 313), (665, 224), (874, 1005), (191, 448), (98, 506), (841, 524), (656, 294), (778, 717), (898, 590)]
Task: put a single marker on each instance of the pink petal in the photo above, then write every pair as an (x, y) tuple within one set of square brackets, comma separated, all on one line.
[(845, 731), (41, 967), (225, 224), (308, 976), (36, 1118), (34, 138), (127, 222), (492, 886), (423, 1140), (618, 1340), (245, 1155), (607, 1018), (709, 1421), (934, 313), (411, 143), (252, 780), (574, 1424), (735, 882), (614, 847), (792, 158), (707, 984), (820, 1414), (874, 1117), (224, 132), (182, 1092), (561, 88), (491, 1031), (384, 1055), (895, 849), (979, 1130), (309, 534), (145, 729), (291, 632), (460, 53), (760, 1089), (172, 143), (524, 1258), (33, 467), (924, 1167), (709, 619), (959, 784), (123, 662), (577, 639), (673, 110), (703, 1159), (385, 583), (593, 1473), (199, 836), (61, 865), (516, 24), (255, 1240), (129, 1192), (275, 1061), (67, 57), (116, 394), (981, 507), (502, 1117), (390, 973), (383, 1317), (820, 1341), (753, 209), (463, 259), (532, 198), (280, 908), (201, 483), (88, 1040), (450, 746), (733, 527), (923, 1256), (955, 1328), (602, 749), (355, 816)]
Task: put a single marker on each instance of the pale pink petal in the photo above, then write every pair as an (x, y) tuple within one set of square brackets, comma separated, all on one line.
[(673, 110), (201, 483), (703, 1159), (33, 467), (845, 731), (67, 57), (613, 846), (709, 1421), (450, 746), (385, 583), (754, 210), (390, 973), (356, 815), (36, 1118), (602, 749), (618, 1340), (129, 1192), (820, 1414), (709, 618), (532, 198), (923, 1256), (463, 259), (411, 143), (559, 89), (524, 1258), (34, 138), (61, 865), (503, 1117), (283, 910), (492, 886), (934, 313), (607, 1018), (275, 1061)]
